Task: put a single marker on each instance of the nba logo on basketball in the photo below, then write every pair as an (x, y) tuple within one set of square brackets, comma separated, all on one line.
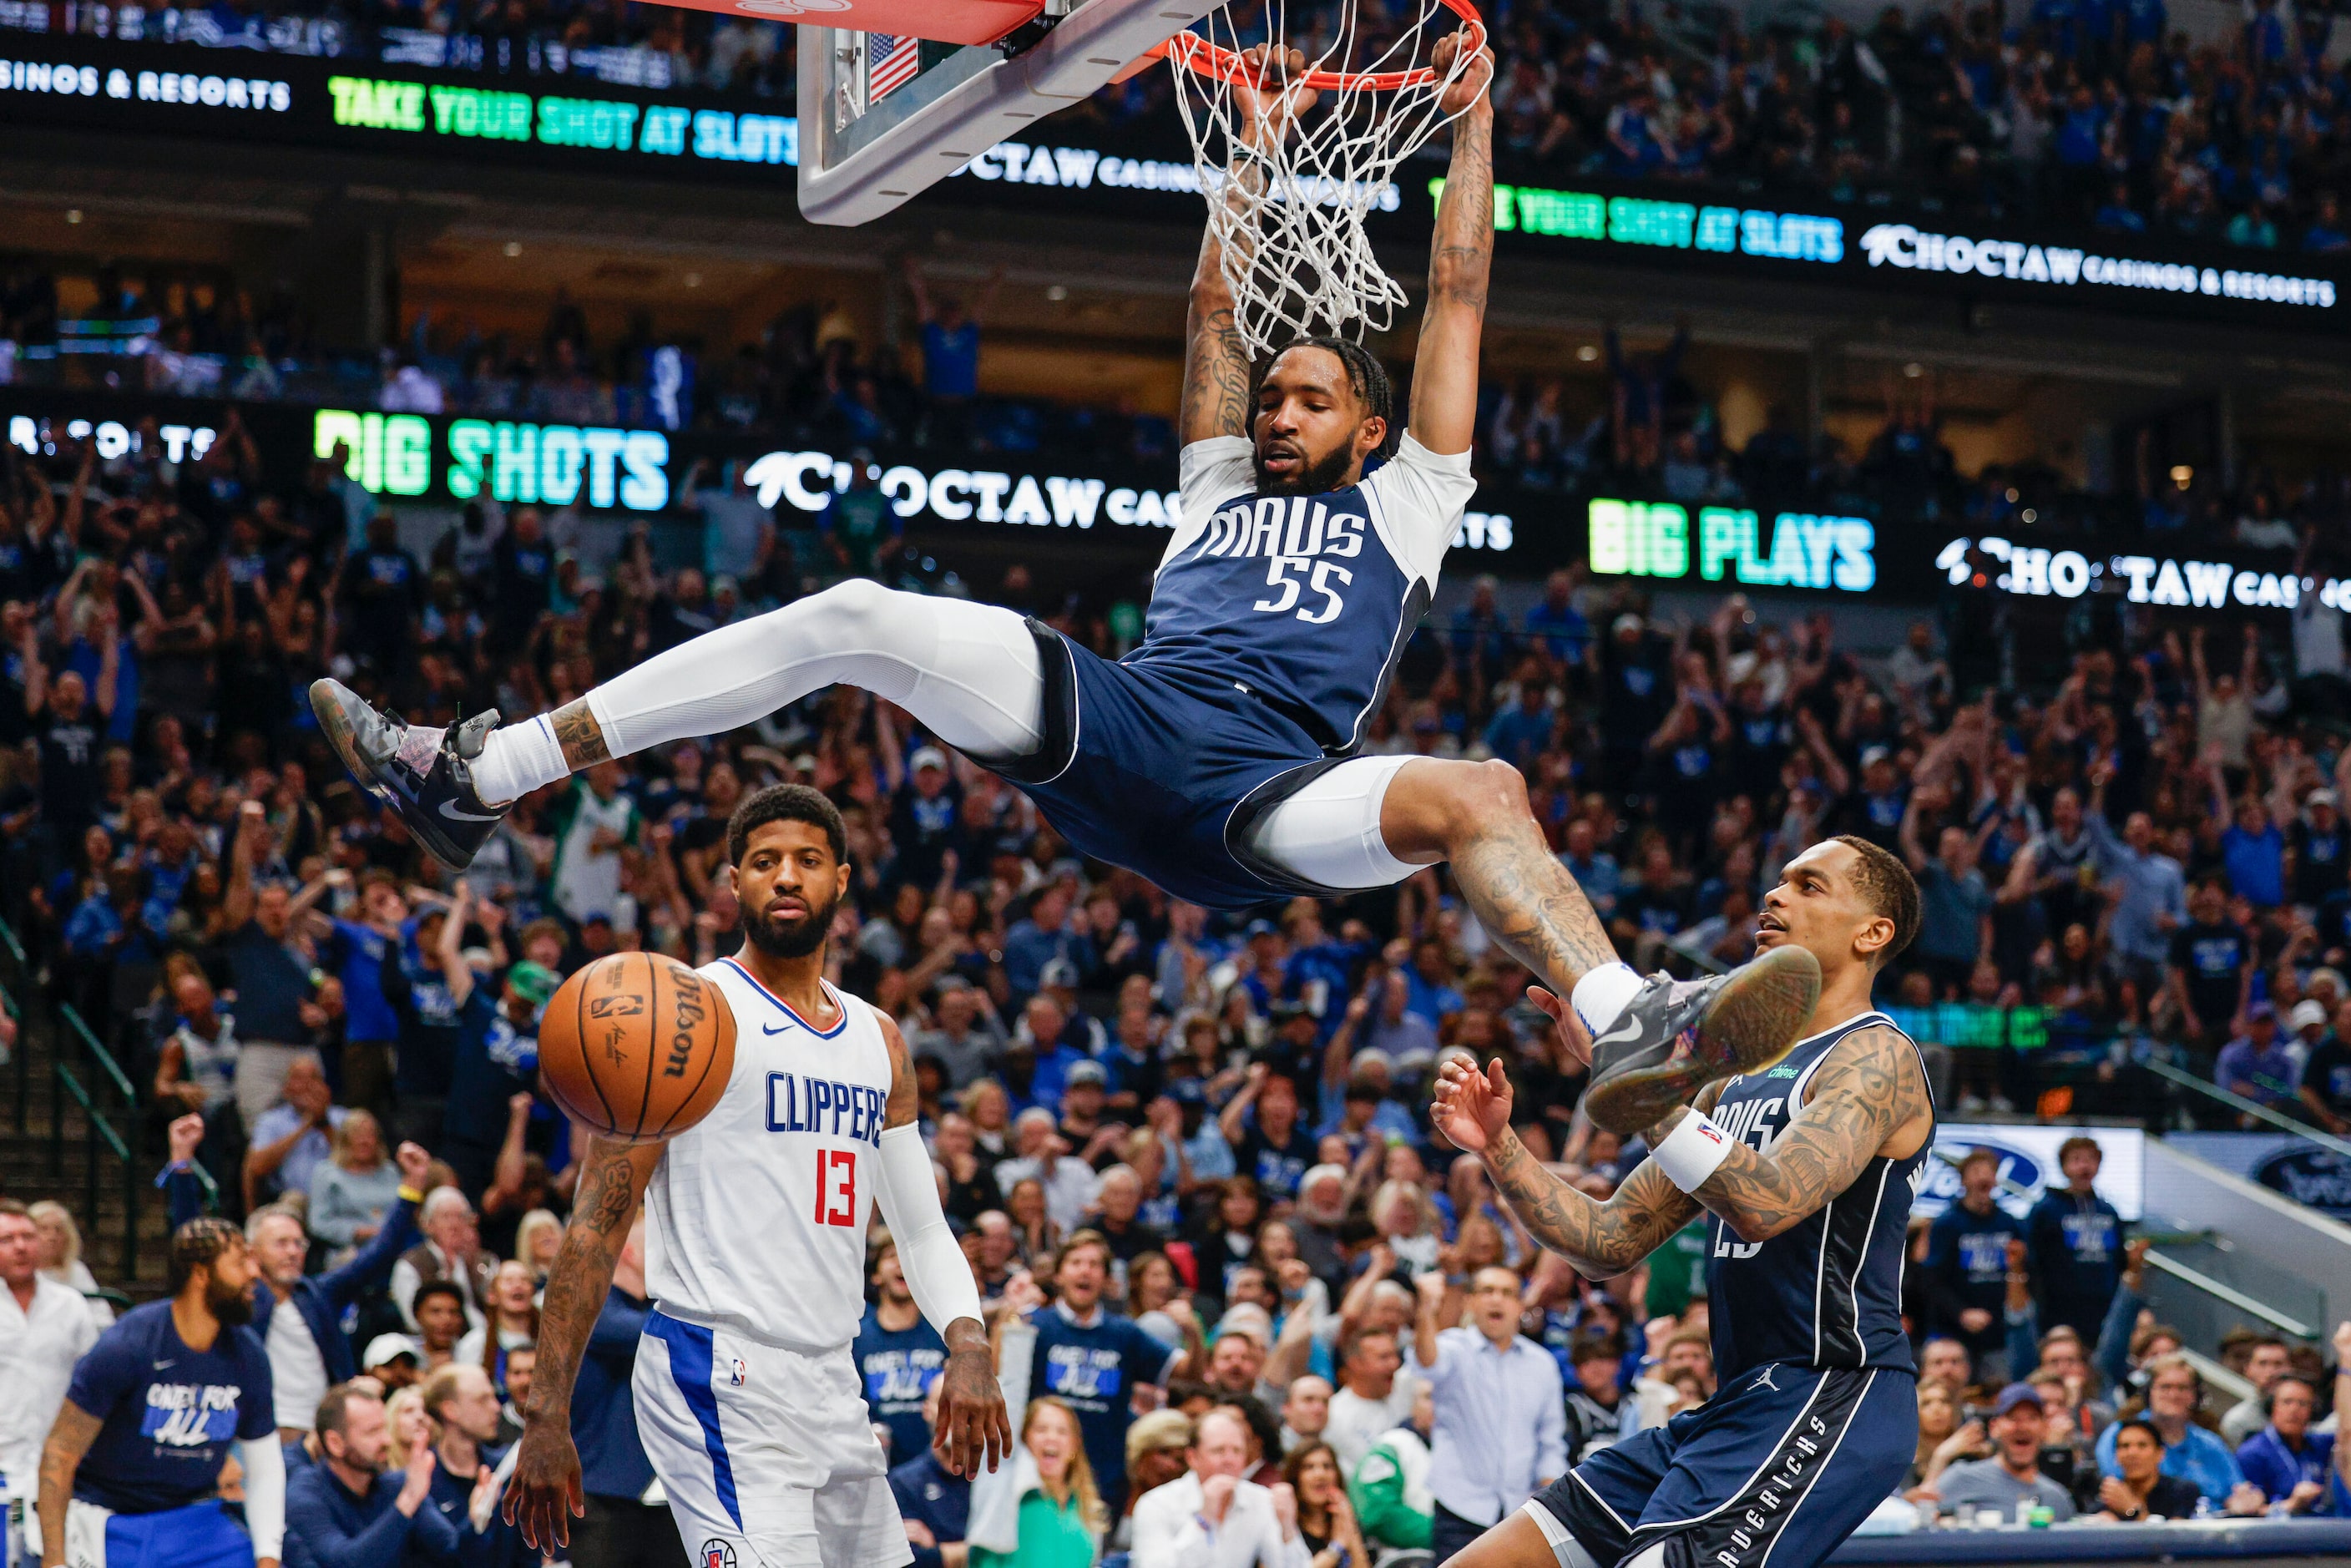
[(741, 1372), (717, 1553), (616, 1006)]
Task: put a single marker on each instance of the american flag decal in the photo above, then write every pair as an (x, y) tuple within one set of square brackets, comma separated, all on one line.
[(892, 60)]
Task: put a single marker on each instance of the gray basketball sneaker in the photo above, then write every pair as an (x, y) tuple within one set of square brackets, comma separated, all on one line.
[(419, 772), (1674, 1036)]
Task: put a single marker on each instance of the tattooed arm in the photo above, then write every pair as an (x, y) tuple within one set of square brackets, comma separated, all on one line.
[(1217, 375), (70, 1440), (545, 1482), (1444, 415), (1868, 1097), (1601, 1240)]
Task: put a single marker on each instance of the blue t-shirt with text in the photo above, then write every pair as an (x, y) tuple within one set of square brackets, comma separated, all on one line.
[(895, 1368), (1093, 1368), (168, 1413)]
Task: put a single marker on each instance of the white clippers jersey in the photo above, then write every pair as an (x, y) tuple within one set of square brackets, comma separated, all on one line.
[(755, 1215)]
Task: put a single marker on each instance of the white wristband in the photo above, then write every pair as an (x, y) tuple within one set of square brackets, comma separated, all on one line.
[(1692, 1151)]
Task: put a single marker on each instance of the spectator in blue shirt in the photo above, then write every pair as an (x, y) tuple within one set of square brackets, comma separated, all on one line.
[(348, 1511), (899, 1355), (1317, 969), (1595, 869), (1481, 636), (934, 1501), (1519, 735), (2190, 1451), (291, 1139), (2252, 851), (2293, 1465), (2074, 1244), (464, 1405), (1091, 1358), (1043, 934), (1967, 1266), (356, 953), (950, 338), (2257, 1065), (1557, 624)]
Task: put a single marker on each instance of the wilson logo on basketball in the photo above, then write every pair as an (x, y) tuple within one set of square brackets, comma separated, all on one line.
[(690, 1014), (616, 1006)]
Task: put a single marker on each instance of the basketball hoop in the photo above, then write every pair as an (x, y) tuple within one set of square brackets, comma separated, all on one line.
[(1290, 228)]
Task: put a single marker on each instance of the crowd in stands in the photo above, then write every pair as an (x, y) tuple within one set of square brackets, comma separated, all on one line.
[(2078, 112), (1214, 1124), (2086, 112)]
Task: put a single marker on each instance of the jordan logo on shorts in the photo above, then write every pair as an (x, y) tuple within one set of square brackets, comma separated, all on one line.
[(1762, 1380)]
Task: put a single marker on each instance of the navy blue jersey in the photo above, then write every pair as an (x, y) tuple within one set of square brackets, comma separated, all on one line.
[(1827, 1292), (1093, 1368), (169, 1413), (896, 1368), (2077, 1254), (1303, 601)]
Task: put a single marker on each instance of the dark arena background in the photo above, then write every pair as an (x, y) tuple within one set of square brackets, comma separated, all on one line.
[(1929, 424)]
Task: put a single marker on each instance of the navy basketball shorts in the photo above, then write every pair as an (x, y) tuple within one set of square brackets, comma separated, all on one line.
[(1777, 1469), (1162, 772)]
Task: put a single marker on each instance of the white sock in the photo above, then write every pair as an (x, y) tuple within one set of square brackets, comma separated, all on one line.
[(1601, 994), (517, 759)]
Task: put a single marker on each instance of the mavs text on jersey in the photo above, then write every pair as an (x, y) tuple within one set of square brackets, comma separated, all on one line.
[(1274, 628)]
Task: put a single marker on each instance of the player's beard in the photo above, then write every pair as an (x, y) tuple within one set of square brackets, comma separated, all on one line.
[(230, 1307), (1316, 478), (789, 938)]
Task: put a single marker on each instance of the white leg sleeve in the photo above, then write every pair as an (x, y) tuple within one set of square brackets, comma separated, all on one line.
[(1328, 832), (969, 672)]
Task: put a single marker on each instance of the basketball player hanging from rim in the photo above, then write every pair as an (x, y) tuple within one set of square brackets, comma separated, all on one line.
[(1218, 759), (1807, 1171)]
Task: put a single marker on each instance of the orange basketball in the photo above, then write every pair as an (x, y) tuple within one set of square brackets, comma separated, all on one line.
[(637, 1047)]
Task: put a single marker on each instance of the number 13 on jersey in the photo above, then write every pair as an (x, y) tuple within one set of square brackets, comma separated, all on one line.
[(836, 1183)]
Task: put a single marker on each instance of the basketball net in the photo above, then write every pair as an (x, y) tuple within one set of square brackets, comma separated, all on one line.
[(1288, 206)]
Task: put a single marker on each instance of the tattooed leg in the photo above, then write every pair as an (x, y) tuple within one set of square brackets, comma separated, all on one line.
[(582, 738), (1475, 814)]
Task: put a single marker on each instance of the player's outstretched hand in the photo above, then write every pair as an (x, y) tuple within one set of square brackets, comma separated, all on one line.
[(1472, 1107), (543, 1494), (973, 1425)]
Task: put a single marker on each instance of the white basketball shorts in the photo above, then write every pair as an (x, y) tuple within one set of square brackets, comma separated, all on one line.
[(767, 1454)]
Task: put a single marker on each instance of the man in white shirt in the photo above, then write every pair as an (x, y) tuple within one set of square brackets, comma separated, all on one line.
[(1501, 1430), (44, 1328), (1211, 1517), (1374, 1394)]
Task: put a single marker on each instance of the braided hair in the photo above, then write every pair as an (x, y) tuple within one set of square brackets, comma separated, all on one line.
[(197, 1244), (1366, 377)]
